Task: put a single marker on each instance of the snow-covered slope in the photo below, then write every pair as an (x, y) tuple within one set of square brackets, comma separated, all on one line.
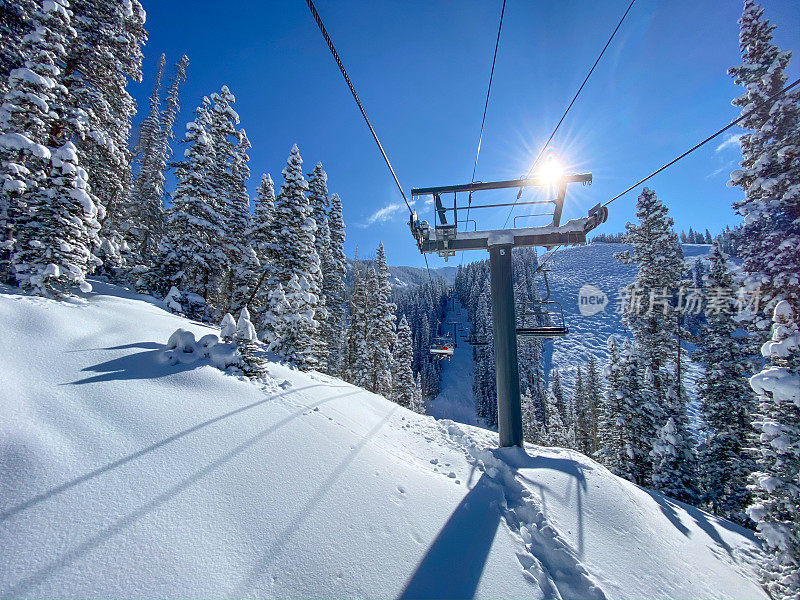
[(574, 267), (121, 476)]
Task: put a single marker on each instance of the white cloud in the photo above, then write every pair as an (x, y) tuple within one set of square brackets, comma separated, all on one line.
[(716, 172), (730, 140), (386, 213)]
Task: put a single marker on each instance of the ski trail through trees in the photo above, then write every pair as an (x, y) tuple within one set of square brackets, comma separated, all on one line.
[(455, 400)]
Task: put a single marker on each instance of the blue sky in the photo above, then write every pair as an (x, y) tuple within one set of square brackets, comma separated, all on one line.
[(421, 69)]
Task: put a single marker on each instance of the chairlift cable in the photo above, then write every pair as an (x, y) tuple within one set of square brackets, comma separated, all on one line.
[(488, 91), (335, 54), (561, 120), (708, 139), (485, 107), (548, 257)]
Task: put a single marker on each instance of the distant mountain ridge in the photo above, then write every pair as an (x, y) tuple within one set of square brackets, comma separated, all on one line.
[(403, 276)]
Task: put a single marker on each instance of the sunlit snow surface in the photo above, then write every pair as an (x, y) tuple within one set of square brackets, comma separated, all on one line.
[(123, 476)]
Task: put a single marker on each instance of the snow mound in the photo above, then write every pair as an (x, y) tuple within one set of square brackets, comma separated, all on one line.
[(122, 475)]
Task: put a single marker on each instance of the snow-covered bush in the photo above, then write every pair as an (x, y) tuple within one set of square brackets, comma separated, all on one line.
[(241, 351), (248, 353)]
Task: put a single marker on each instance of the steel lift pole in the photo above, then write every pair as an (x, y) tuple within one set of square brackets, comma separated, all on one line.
[(509, 406), (445, 240)]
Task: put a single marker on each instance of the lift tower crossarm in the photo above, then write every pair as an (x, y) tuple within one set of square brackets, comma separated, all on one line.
[(497, 185)]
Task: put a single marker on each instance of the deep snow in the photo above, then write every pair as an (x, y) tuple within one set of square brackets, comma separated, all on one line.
[(123, 476)]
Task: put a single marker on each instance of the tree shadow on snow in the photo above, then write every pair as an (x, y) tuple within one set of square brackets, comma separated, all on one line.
[(23, 586), (139, 453), (454, 563), (703, 520), (145, 345), (139, 365)]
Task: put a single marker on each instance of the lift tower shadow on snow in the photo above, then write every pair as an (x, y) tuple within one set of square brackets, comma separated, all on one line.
[(444, 239)]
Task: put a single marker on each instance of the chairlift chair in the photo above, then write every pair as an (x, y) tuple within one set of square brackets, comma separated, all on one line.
[(442, 348), (536, 317), (543, 319)]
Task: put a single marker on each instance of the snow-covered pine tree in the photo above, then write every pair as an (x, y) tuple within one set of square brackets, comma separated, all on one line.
[(529, 351), (26, 121), (334, 270), (293, 232), (259, 237), (484, 384), (145, 221), (319, 203), (249, 362), (559, 398), (770, 173), (245, 274), (154, 152), (356, 364), (768, 241), (583, 434), (726, 400), (104, 55), (594, 398), (610, 445), (298, 327), (227, 327), (658, 255), (381, 331), (652, 315), (189, 250), (50, 216), (557, 430), (417, 401), (273, 322), (260, 228), (775, 483), (532, 429), (16, 21), (673, 454), (403, 385), (172, 106), (226, 185), (623, 417)]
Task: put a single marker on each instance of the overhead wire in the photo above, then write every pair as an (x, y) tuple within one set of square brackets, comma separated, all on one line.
[(485, 108), (489, 89), (706, 140), (339, 63), (335, 54), (574, 98)]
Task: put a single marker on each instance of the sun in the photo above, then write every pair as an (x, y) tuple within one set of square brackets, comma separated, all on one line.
[(551, 171)]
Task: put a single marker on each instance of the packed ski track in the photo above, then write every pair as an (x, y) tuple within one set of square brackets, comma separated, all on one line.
[(595, 265), (455, 400), (122, 475)]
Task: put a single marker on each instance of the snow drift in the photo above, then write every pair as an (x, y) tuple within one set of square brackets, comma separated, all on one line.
[(122, 475)]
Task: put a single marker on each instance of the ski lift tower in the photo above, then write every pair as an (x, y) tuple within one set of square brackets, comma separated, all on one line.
[(445, 240)]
